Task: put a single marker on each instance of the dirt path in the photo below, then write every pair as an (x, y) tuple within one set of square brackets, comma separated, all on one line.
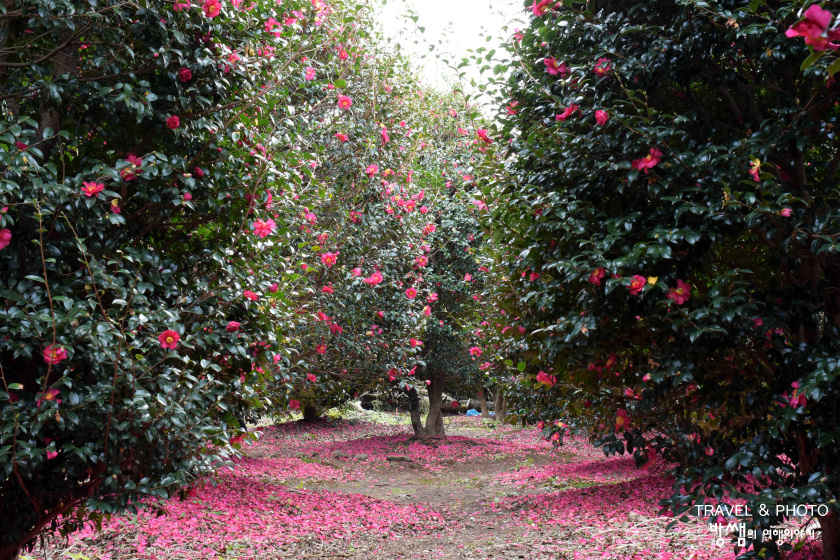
[(362, 490)]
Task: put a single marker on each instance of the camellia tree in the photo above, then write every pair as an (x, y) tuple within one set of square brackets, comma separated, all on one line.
[(152, 156), (673, 185)]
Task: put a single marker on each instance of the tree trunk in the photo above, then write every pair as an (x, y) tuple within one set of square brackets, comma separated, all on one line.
[(500, 404), (830, 525), (482, 399), (311, 413), (434, 421), (414, 411)]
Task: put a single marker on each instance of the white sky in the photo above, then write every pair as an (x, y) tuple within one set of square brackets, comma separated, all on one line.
[(453, 27)]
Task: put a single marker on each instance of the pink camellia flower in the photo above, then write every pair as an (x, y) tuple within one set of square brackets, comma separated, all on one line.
[(475, 351), (430, 228), (311, 377), (467, 277), (173, 122), (328, 289), (54, 354), (184, 75), (180, 5), (681, 293), (411, 293), (232, 326), (637, 284), (421, 260), (341, 136), (373, 279), (553, 68), (601, 117), (273, 288), (371, 170), (433, 297), (427, 311), (597, 275), (169, 339), (415, 343), (785, 212), (384, 134), (649, 161), (5, 237), (479, 204), (482, 133), (91, 188), (602, 66), (211, 8), (294, 404), (344, 102), (814, 28), (546, 379), (567, 112), (539, 8), (250, 295), (263, 228), (115, 206), (310, 74), (328, 259), (51, 454)]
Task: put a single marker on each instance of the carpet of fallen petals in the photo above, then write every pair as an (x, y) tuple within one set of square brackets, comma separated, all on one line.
[(359, 489)]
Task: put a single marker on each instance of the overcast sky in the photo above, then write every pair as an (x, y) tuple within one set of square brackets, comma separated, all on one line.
[(453, 27)]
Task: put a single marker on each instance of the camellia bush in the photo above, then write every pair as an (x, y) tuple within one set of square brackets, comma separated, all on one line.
[(150, 156), (672, 184)]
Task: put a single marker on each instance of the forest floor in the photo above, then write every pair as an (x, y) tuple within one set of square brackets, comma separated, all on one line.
[(360, 488)]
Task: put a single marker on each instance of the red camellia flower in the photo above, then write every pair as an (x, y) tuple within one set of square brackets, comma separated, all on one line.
[(601, 117), (294, 404), (264, 228), (250, 295), (232, 326), (411, 293), (54, 354), (211, 8), (482, 133), (784, 212), (637, 284), (597, 275), (546, 379), (681, 293), (185, 75), (539, 8), (91, 188), (329, 259), (602, 66), (814, 28), (273, 288), (553, 68), (169, 339), (344, 102), (568, 112), (130, 172), (321, 349), (649, 161), (622, 420), (173, 122), (341, 136), (49, 395), (5, 237), (373, 279)]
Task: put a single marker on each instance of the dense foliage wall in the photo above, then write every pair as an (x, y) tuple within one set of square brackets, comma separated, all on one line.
[(672, 182)]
